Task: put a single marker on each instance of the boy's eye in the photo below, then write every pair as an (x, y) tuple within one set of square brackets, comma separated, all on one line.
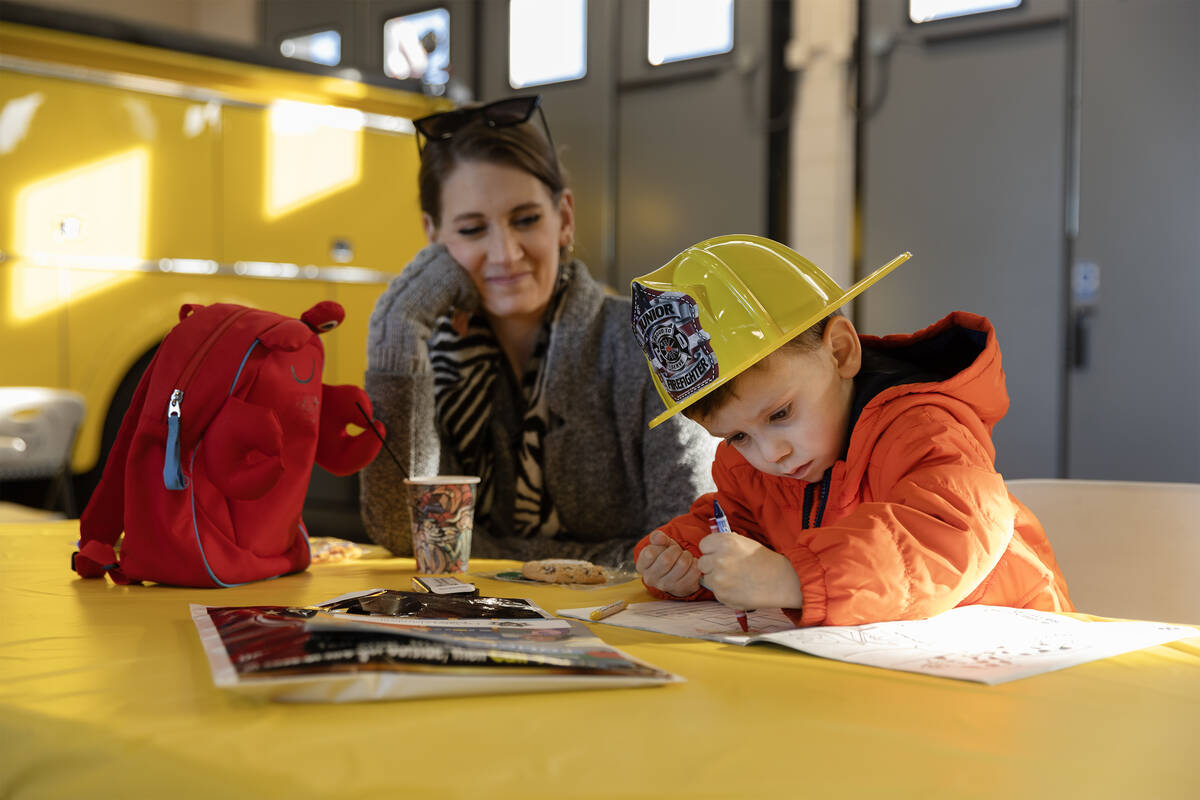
[(736, 438), (781, 413), (471, 230)]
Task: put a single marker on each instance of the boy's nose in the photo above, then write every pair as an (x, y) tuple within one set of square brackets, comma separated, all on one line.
[(775, 450)]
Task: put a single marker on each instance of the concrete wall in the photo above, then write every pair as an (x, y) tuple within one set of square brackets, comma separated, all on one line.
[(821, 214)]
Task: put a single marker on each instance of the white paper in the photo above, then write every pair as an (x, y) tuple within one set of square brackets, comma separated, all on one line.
[(986, 644), (698, 620)]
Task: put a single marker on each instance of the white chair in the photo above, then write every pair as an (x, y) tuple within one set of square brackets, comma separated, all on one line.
[(1127, 549), (37, 435)]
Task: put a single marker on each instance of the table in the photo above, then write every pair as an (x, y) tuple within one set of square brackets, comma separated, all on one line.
[(104, 692)]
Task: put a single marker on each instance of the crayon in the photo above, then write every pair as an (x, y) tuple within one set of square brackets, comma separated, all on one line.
[(609, 610), (723, 527)]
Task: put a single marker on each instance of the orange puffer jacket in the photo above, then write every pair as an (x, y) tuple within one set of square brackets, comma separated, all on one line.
[(915, 520)]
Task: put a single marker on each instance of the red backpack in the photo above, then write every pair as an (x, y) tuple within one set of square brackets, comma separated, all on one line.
[(208, 474)]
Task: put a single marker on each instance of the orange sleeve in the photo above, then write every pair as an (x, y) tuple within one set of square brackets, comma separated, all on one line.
[(939, 522), (688, 529)]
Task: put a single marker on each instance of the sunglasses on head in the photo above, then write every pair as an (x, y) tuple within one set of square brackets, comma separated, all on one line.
[(497, 114)]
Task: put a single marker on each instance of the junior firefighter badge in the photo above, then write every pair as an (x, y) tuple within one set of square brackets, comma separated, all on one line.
[(667, 325)]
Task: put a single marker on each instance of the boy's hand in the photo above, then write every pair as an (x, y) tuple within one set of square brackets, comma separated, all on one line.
[(666, 566), (745, 575)]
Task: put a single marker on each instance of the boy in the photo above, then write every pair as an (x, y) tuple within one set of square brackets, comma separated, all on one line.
[(856, 472)]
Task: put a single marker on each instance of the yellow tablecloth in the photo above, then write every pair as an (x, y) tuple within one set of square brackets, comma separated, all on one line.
[(106, 692)]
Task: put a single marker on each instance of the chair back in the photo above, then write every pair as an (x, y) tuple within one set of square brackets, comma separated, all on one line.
[(1127, 549), (37, 431)]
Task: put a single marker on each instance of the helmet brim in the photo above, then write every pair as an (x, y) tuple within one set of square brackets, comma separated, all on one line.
[(833, 305)]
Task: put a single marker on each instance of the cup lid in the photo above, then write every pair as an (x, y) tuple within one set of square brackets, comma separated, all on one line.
[(436, 479)]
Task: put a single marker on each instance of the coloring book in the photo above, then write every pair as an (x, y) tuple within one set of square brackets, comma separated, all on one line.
[(986, 644)]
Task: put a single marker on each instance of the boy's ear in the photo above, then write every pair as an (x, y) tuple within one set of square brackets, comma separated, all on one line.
[(430, 228), (842, 340)]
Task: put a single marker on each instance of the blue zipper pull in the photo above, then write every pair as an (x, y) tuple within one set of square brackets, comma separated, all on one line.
[(172, 473)]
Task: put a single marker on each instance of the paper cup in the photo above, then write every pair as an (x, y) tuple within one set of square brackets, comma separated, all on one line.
[(443, 516)]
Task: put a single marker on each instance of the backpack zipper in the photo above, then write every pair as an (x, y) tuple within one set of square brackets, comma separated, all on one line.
[(172, 469)]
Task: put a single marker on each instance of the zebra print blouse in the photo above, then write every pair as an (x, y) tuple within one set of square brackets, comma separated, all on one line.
[(466, 360)]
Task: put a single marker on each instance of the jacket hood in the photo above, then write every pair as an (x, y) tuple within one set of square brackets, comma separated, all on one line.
[(960, 358)]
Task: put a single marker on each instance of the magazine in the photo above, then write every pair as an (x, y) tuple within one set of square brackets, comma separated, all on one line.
[(346, 650)]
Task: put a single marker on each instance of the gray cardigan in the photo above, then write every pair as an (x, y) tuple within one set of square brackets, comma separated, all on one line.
[(612, 479)]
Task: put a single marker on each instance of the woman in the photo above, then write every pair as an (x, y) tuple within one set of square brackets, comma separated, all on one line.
[(494, 353)]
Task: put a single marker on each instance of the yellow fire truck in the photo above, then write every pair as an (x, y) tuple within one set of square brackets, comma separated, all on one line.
[(136, 179)]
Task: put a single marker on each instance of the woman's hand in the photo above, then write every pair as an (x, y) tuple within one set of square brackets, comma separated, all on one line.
[(666, 566), (434, 282), (745, 575)]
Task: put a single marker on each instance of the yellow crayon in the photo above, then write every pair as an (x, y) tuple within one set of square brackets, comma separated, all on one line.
[(609, 610)]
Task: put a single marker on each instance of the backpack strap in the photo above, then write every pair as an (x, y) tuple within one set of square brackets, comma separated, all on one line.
[(103, 520), (95, 558)]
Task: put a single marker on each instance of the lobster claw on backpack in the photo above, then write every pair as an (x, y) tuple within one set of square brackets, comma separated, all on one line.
[(339, 451), (243, 449)]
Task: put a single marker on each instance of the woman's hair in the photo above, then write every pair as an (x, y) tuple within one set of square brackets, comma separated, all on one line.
[(523, 146), (805, 342)]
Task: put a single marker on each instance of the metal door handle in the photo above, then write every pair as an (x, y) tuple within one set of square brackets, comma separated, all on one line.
[(1079, 337)]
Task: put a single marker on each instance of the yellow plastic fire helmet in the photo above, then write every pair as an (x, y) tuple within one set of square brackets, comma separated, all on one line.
[(724, 304)]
